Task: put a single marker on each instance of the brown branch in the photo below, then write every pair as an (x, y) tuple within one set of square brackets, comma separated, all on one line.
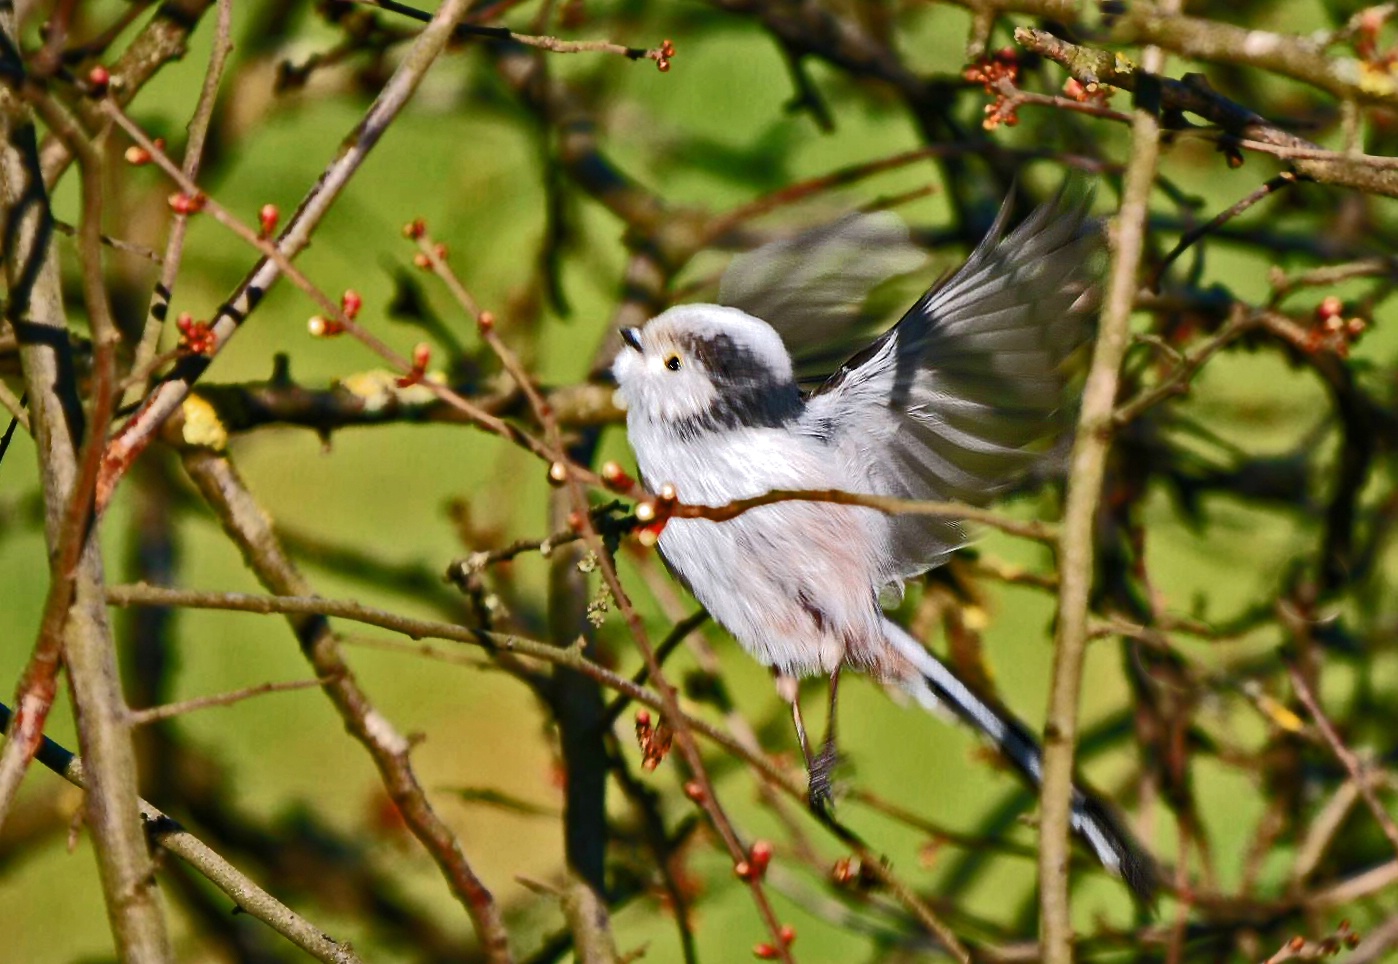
[(245, 893), (1300, 58), (250, 528), (74, 623), (1189, 238), (376, 398), (571, 657), (1357, 770), (1194, 95), (1033, 529), (137, 433), (170, 710), (1176, 381), (141, 365), (661, 55), (1076, 550), (116, 244), (12, 404), (1284, 284), (163, 40)]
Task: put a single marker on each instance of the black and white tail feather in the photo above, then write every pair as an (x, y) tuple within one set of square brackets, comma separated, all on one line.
[(941, 691)]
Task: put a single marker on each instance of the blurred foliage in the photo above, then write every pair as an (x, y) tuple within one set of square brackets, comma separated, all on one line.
[(1245, 529)]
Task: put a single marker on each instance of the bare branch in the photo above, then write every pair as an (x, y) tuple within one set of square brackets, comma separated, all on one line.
[(167, 397), (245, 893), (1076, 550), (1194, 95)]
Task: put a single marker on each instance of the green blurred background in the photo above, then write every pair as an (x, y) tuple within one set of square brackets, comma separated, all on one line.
[(712, 132)]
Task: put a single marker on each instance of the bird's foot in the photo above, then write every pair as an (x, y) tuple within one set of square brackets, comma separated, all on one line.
[(821, 790)]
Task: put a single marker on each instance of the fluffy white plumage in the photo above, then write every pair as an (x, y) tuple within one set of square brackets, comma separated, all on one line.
[(953, 402)]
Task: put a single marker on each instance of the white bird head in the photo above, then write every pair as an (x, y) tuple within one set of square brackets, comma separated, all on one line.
[(706, 367)]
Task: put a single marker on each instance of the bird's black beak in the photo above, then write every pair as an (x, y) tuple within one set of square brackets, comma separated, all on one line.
[(632, 336)]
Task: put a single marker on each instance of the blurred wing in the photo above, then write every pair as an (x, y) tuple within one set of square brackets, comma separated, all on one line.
[(814, 288), (950, 402)]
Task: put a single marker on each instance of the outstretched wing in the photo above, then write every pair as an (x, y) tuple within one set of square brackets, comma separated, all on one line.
[(954, 401), (814, 288)]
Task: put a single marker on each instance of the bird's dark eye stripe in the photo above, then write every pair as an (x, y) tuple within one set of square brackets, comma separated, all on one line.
[(727, 361)]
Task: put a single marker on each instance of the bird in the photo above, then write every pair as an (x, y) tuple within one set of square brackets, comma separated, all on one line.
[(956, 401)]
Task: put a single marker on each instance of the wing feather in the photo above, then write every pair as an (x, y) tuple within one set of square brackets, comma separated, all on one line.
[(955, 401), (814, 288)]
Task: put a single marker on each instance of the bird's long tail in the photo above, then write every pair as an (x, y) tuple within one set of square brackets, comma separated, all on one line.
[(940, 690)]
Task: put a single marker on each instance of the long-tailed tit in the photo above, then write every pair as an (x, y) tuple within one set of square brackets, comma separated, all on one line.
[(953, 402)]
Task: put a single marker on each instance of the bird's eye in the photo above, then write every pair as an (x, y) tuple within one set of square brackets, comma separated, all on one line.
[(673, 363)]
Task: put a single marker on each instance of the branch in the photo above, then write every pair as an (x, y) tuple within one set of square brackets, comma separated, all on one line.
[(245, 893), (661, 55), (167, 397), (163, 40), (1345, 755), (74, 624), (1176, 381), (1033, 529), (570, 657), (179, 227), (170, 710), (1193, 94), (250, 528), (1077, 538), (1300, 58)]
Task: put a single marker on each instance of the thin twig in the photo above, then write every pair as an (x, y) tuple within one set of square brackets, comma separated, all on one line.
[(246, 895), (572, 658), (14, 406), (142, 366), (1035, 530), (551, 44), (169, 710), (1356, 769), (245, 521), (1176, 381), (138, 432), (1283, 180)]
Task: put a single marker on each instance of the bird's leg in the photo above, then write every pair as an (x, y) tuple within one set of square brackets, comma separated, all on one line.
[(787, 690), (821, 793)]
